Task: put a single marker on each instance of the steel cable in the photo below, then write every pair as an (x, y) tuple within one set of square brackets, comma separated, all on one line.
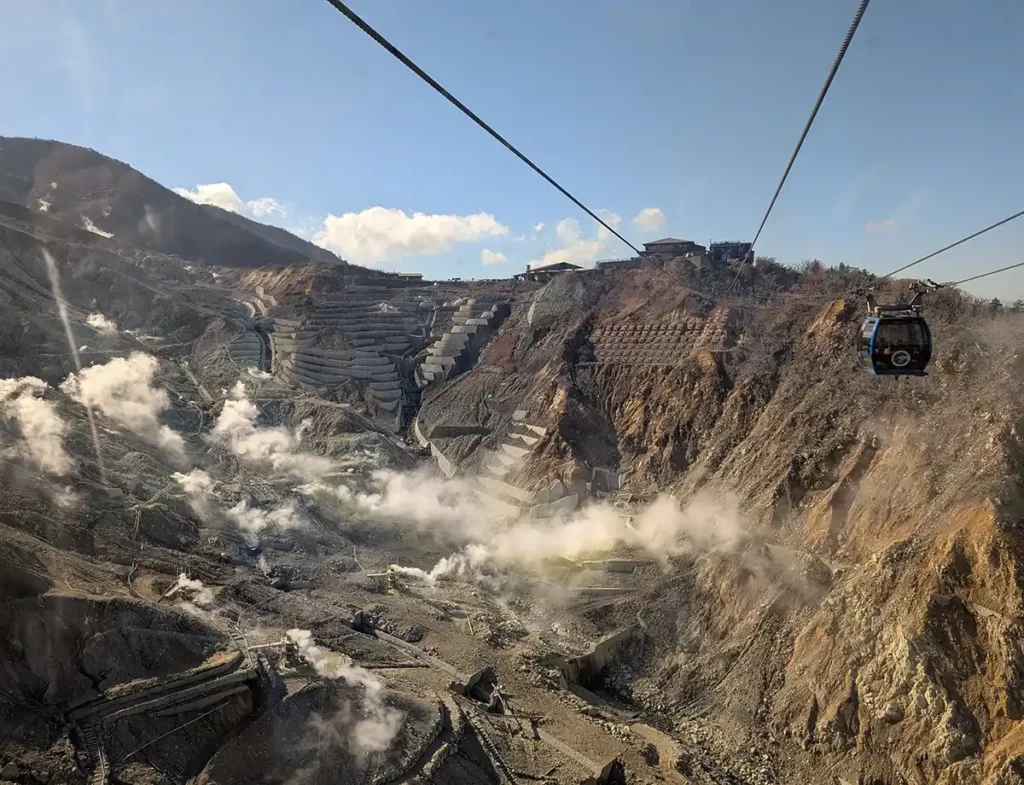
[(362, 25)]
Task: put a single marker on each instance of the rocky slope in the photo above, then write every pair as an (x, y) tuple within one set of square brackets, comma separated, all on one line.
[(864, 620), (844, 603)]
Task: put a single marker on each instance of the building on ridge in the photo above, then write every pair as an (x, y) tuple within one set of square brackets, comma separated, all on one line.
[(545, 272), (729, 251), (671, 247)]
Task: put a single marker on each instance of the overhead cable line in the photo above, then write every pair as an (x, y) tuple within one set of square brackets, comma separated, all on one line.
[(984, 275), (362, 25), (954, 245), (861, 8)]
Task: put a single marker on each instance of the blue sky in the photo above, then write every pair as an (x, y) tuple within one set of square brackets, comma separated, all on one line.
[(687, 107)]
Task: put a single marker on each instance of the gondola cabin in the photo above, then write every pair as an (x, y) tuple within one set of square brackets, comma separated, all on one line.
[(895, 341)]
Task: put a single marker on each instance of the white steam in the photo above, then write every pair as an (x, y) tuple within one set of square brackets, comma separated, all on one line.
[(254, 520), (424, 499), (490, 542), (123, 391), (198, 488), (379, 724), (191, 587), (274, 447), (195, 484), (41, 430), (101, 324)]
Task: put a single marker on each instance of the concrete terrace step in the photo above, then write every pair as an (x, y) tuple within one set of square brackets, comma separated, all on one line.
[(330, 362), (530, 439), (325, 375), (515, 452), (497, 469), (502, 507), (506, 460)]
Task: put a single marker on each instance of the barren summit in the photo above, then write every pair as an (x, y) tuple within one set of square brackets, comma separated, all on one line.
[(267, 516), (89, 190)]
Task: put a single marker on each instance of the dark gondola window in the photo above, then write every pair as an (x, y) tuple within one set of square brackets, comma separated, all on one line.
[(899, 334)]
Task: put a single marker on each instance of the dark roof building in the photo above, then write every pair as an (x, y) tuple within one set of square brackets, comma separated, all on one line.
[(729, 251), (672, 247), (545, 272)]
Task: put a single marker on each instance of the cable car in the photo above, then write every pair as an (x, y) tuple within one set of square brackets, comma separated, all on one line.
[(895, 339)]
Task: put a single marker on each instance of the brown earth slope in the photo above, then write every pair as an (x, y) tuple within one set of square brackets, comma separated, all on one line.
[(867, 624)]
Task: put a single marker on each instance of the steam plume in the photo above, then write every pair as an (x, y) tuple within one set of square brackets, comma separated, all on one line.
[(380, 723), (42, 431), (450, 507), (201, 596), (101, 324), (62, 309), (276, 447), (123, 391), (198, 488)]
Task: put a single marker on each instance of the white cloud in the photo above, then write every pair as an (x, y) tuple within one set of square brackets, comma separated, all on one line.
[(577, 248), (880, 227), (492, 257), (539, 227), (378, 234), (264, 206), (225, 197), (904, 215), (649, 218), (219, 195)]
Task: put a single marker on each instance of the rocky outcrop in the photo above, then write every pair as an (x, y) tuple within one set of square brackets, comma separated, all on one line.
[(868, 614)]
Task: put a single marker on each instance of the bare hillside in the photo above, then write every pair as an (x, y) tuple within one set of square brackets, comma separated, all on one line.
[(339, 525), (85, 188)]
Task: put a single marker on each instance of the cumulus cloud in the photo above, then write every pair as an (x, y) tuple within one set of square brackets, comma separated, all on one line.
[(539, 227), (101, 324), (575, 246), (488, 256), (649, 218), (275, 447), (380, 234), (40, 430), (378, 723), (219, 195), (225, 197), (265, 206), (123, 391)]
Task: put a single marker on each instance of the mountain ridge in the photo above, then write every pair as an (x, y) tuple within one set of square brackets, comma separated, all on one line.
[(86, 188)]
